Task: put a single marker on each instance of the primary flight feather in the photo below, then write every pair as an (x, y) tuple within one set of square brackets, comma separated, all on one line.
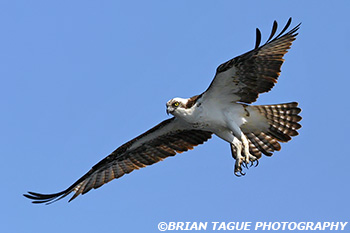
[(223, 110)]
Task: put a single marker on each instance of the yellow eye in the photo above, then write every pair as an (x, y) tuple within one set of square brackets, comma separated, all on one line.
[(176, 104)]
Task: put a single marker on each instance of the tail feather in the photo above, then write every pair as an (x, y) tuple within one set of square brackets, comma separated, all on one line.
[(264, 143), (260, 145), (269, 141), (283, 120), (254, 147), (254, 150)]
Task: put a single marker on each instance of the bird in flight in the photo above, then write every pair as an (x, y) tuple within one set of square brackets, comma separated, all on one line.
[(223, 110)]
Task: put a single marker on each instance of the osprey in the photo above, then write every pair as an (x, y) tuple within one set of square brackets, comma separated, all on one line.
[(223, 110)]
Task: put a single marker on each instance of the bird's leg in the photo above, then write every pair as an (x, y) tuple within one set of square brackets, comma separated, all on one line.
[(248, 157), (243, 142), (236, 150)]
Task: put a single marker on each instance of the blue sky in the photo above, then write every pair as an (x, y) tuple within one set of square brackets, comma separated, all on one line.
[(80, 78)]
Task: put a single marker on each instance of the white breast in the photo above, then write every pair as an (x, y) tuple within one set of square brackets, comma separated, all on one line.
[(213, 115)]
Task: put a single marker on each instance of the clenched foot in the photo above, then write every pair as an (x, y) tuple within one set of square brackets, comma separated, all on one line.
[(246, 161)]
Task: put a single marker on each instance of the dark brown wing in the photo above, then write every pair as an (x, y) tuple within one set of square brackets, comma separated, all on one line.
[(166, 139), (243, 78)]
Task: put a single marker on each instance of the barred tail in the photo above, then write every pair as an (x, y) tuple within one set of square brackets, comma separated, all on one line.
[(283, 120)]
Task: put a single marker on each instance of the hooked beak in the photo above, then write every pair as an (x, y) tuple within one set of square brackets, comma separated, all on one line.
[(167, 109)]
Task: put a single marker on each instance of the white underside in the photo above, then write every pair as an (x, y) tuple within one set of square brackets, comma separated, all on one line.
[(227, 120)]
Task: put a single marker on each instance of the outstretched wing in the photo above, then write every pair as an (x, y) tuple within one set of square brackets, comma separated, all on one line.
[(243, 78), (166, 139)]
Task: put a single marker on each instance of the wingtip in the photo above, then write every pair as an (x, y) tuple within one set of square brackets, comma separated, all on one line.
[(39, 198), (272, 36), (258, 38)]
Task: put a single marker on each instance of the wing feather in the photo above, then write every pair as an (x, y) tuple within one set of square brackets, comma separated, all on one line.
[(243, 78), (166, 139)]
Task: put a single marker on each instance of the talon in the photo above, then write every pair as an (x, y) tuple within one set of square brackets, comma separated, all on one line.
[(253, 162), (238, 172), (257, 163), (238, 168)]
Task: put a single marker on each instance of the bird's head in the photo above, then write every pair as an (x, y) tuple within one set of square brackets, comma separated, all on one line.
[(175, 105)]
